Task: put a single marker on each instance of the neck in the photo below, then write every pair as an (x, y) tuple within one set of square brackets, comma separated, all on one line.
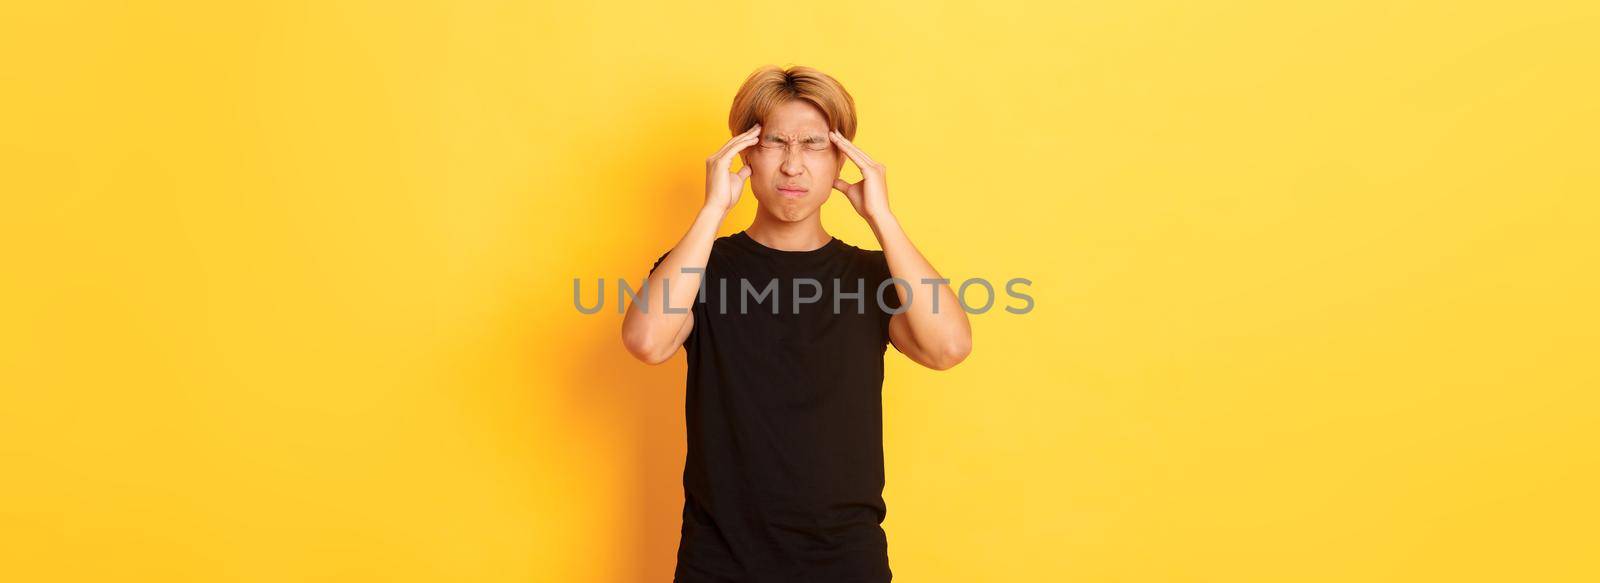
[(803, 235)]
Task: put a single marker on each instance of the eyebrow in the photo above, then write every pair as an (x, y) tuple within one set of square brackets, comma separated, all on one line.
[(810, 138)]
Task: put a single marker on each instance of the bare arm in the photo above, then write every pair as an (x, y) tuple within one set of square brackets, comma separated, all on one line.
[(653, 328), (936, 340)]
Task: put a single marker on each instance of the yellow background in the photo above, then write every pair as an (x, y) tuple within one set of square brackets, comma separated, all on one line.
[(287, 285)]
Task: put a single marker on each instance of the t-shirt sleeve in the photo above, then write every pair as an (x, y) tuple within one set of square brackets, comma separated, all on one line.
[(890, 298), (653, 270), (658, 262)]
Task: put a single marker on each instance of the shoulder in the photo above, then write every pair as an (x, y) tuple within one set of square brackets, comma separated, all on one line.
[(719, 246), (868, 257), (728, 245)]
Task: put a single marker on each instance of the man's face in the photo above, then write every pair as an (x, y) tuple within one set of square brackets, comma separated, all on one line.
[(793, 165)]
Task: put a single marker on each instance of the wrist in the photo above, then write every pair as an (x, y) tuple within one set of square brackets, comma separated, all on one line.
[(712, 213)]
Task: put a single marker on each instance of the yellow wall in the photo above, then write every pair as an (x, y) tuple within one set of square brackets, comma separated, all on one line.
[(287, 287)]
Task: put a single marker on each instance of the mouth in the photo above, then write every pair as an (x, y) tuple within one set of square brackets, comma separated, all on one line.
[(793, 191)]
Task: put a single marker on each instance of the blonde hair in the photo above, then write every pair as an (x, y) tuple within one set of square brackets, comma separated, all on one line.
[(769, 86)]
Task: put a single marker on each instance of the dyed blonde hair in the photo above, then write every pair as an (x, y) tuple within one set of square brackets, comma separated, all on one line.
[(770, 86)]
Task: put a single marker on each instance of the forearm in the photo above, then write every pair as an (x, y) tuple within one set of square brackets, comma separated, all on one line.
[(944, 333), (654, 318)]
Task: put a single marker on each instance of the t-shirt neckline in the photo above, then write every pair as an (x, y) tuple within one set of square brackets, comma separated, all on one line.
[(754, 245)]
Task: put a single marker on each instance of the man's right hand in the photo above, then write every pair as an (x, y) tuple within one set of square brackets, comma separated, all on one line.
[(654, 334), (723, 187)]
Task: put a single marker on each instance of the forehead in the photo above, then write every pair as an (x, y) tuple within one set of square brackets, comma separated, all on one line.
[(797, 117)]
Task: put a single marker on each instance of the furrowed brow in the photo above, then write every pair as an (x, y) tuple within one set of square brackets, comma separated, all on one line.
[(809, 139)]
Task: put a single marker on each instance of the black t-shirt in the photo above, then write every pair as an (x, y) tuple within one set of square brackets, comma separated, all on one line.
[(784, 478)]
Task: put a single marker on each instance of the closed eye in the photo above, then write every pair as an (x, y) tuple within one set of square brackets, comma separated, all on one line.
[(812, 143)]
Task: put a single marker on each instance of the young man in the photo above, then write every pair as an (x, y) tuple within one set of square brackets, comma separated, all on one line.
[(785, 328)]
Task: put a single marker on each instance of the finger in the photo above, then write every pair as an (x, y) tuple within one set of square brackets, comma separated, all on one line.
[(738, 143), (860, 152), (744, 173), (840, 185), (861, 158), (844, 146), (734, 146), (754, 131), (749, 134)]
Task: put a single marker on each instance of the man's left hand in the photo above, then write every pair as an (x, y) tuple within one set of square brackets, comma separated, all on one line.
[(871, 195)]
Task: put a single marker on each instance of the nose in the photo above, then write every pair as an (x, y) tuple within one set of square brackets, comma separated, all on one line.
[(791, 162)]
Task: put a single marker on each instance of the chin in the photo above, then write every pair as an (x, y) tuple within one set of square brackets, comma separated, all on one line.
[(789, 210)]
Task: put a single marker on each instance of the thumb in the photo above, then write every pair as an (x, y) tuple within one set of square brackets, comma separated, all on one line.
[(841, 185), (744, 173)]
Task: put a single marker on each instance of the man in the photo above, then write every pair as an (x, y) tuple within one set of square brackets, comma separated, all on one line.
[(785, 328)]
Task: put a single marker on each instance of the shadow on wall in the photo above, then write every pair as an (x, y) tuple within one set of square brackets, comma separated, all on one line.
[(616, 393)]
